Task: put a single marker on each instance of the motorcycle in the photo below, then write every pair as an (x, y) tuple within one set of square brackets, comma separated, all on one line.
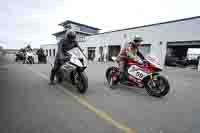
[(29, 57), (19, 56), (143, 75), (73, 70)]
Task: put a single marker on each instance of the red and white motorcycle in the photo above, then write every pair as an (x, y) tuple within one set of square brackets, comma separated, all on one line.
[(144, 75)]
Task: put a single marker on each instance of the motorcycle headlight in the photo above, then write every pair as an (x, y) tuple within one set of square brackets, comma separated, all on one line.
[(81, 59)]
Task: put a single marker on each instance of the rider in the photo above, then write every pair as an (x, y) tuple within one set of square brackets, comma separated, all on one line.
[(130, 50), (64, 45), (40, 53), (28, 48), (21, 53)]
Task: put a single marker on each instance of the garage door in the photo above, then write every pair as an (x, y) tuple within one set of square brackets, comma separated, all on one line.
[(179, 49), (184, 43)]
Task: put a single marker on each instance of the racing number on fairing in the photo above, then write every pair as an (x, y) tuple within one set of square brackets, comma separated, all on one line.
[(140, 75)]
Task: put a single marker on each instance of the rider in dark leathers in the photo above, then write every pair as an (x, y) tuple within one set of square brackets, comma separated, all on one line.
[(62, 55), (41, 55)]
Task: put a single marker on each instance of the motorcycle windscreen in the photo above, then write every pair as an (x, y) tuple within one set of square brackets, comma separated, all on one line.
[(154, 61), (76, 56)]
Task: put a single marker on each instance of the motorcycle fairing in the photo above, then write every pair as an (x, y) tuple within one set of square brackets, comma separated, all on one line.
[(137, 72), (154, 61), (77, 57), (29, 53)]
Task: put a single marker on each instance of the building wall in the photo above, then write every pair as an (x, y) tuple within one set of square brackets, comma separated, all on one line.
[(88, 30), (81, 28), (157, 36), (60, 37), (178, 31), (50, 47), (80, 37)]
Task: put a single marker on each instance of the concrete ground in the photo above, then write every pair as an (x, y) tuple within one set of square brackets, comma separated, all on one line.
[(32, 105)]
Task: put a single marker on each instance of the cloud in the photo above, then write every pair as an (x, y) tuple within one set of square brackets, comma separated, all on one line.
[(36, 20)]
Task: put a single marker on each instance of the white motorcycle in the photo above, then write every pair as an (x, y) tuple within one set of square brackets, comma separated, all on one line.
[(74, 70), (29, 57)]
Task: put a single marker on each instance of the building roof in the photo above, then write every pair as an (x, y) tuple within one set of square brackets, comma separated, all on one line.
[(72, 22), (172, 21), (47, 44), (61, 32)]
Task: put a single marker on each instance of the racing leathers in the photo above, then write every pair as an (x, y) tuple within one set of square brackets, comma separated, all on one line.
[(130, 52), (62, 55)]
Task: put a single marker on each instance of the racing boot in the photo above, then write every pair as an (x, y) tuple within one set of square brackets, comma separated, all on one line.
[(51, 82), (121, 77)]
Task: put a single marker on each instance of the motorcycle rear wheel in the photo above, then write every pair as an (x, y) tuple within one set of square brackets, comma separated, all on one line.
[(109, 76), (156, 90), (32, 60)]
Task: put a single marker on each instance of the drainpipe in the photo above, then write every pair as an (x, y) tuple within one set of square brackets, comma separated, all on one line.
[(96, 53), (105, 52), (161, 52)]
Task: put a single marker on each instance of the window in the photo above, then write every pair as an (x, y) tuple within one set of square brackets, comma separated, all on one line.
[(68, 26), (146, 49), (54, 52), (49, 52), (81, 38)]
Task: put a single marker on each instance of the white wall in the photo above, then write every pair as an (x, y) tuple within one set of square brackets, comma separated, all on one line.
[(51, 58), (178, 31), (187, 30)]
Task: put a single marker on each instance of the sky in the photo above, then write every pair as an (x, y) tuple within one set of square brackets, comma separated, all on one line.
[(34, 21)]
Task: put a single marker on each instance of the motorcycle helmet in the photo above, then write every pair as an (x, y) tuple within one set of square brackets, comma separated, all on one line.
[(70, 35), (136, 41), (28, 46), (137, 38)]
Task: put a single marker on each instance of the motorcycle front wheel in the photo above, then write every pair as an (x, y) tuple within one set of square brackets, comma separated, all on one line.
[(59, 76), (111, 78), (158, 87), (81, 82), (32, 60)]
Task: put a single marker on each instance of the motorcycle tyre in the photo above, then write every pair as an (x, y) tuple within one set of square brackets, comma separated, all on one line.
[(163, 93), (84, 82)]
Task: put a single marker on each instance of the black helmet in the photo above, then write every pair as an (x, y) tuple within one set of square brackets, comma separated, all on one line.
[(28, 46), (70, 35), (137, 39)]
